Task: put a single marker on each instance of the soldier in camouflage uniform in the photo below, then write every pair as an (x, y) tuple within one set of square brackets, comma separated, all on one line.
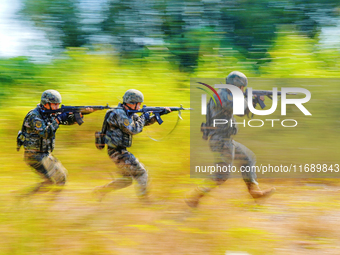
[(225, 149), (120, 126), (38, 135)]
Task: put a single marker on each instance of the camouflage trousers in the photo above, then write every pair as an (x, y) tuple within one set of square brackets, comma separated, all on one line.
[(226, 151), (129, 169), (48, 167)]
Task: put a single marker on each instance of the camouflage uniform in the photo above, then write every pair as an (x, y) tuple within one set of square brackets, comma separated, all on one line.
[(221, 143), (121, 126), (38, 137), (224, 148)]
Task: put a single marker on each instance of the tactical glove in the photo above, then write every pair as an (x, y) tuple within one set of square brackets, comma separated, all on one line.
[(63, 117), (146, 116)]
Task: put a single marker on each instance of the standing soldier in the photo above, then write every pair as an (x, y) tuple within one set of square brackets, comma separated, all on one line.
[(118, 128), (38, 135), (224, 147)]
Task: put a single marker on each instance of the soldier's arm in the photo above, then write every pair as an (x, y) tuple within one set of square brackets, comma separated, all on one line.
[(131, 126), (40, 127)]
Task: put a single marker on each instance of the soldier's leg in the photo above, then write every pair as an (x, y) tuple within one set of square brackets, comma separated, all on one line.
[(136, 170), (223, 156), (56, 172), (140, 174), (223, 150), (121, 158), (49, 168), (116, 184), (248, 161), (34, 160), (193, 198)]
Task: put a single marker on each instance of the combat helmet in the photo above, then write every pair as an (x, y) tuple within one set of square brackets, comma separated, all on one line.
[(133, 96), (237, 78), (50, 97)]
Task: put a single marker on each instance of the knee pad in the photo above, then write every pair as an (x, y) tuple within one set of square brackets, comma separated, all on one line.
[(127, 180), (56, 172)]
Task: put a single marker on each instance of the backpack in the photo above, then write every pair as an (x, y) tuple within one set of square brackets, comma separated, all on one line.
[(100, 135)]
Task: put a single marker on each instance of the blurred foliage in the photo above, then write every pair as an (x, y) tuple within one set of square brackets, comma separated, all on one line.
[(15, 73), (59, 19), (131, 26)]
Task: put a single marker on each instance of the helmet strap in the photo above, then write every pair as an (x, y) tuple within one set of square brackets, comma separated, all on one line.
[(43, 106), (130, 107)]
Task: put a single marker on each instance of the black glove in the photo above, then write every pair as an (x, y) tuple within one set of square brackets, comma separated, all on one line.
[(63, 117), (147, 116)]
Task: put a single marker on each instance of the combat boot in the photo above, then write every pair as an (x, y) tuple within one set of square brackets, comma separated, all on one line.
[(256, 192), (192, 199)]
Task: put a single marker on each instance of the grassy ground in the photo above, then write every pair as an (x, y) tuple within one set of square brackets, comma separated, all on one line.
[(301, 218)]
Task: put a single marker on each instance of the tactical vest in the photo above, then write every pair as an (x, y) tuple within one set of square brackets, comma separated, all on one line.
[(33, 141), (114, 136)]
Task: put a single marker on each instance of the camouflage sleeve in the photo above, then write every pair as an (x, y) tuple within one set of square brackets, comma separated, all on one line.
[(229, 104), (227, 101), (128, 125), (38, 126)]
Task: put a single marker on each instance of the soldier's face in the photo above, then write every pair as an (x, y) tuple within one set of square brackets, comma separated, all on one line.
[(135, 106), (53, 106)]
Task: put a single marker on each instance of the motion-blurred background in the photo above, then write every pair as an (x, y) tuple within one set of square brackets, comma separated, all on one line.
[(92, 51)]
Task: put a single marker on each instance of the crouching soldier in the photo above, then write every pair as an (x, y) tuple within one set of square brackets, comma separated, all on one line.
[(38, 136), (118, 128)]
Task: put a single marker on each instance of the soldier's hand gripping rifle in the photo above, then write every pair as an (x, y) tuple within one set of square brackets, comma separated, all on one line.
[(158, 111), (77, 111), (268, 93)]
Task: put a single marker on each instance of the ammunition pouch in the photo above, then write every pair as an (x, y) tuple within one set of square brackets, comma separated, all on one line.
[(100, 140), (20, 140), (126, 140)]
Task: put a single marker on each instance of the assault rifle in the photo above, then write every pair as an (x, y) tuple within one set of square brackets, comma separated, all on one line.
[(77, 110), (267, 93), (158, 111)]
